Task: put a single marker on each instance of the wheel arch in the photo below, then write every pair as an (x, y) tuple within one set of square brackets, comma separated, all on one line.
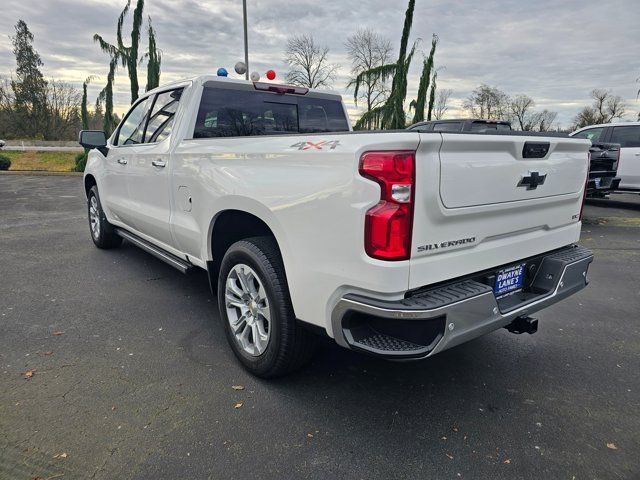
[(89, 182), (229, 226)]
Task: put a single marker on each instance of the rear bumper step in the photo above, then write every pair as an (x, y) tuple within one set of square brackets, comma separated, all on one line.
[(434, 319)]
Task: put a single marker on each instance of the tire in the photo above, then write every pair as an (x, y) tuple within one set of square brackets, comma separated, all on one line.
[(102, 232), (288, 346)]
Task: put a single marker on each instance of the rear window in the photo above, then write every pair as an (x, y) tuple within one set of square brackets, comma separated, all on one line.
[(448, 127), (488, 127), (627, 137), (241, 113)]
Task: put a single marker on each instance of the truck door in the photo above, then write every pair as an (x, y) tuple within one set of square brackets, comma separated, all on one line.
[(149, 170), (114, 191), (629, 165)]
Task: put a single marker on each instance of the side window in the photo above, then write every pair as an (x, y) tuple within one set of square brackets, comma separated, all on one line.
[(162, 116), (592, 134), (447, 127), (132, 129), (421, 128), (627, 137)]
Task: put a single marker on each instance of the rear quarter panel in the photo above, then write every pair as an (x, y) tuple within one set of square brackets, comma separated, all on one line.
[(309, 194)]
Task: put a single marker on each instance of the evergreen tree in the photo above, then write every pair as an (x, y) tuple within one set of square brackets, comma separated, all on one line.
[(129, 56), (432, 96), (29, 86), (391, 115), (154, 60), (84, 111), (420, 102), (106, 96)]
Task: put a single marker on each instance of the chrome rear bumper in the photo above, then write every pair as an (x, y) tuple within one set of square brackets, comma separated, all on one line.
[(432, 320)]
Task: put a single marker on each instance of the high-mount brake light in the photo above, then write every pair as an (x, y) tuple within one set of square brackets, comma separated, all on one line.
[(282, 89), (388, 224)]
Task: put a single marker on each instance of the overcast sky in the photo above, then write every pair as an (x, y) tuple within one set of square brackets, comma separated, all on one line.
[(554, 51)]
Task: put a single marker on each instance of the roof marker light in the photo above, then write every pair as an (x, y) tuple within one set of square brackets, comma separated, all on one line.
[(222, 72), (240, 68), (255, 76), (271, 75)]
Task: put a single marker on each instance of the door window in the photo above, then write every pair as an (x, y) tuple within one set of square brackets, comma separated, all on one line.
[(131, 131), (627, 137), (162, 116), (592, 134)]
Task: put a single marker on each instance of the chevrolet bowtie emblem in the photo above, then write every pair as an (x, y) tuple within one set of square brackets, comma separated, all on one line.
[(532, 180)]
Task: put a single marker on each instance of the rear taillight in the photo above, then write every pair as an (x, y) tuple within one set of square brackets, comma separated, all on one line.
[(388, 224)]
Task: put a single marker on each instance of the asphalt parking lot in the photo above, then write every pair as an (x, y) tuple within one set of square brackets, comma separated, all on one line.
[(114, 365)]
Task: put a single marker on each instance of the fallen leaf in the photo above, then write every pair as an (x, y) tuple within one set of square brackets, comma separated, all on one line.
[(450, 457), (48, 353), (238, 405), (612, 446), (310, 435), (455, 429), (443, 438), (57, 334), (237, 387), (61, 455), (29, 373), (113, 408), (507, 461)]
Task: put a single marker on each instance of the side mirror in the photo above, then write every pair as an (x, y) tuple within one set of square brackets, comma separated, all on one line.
[(93, 139)]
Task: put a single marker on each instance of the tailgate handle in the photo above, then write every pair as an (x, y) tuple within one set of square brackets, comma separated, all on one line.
[(535, 149)]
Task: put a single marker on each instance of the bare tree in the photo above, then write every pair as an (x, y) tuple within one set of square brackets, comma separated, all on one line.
[(308, 63), (367, 50), (545, 120), (63, 110), (604, 109), (488, 102), (521, 109), (7, 103), (442, 103)]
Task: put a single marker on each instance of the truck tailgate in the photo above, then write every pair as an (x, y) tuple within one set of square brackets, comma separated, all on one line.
[(475, 206), (483, 170)]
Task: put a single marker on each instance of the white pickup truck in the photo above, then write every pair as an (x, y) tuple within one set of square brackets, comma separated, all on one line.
[(399, 244)]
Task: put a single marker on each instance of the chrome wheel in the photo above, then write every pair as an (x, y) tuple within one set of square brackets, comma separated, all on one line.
[(94, 217), (247, 309)]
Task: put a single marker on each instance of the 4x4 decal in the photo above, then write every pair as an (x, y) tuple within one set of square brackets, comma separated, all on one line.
[(332, 144)]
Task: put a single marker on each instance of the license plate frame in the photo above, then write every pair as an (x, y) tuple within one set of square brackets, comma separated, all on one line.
[(509, 280)]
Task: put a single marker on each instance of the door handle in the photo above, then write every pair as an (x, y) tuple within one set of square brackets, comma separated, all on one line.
[(638, 154), (122, 161), (158, 163)]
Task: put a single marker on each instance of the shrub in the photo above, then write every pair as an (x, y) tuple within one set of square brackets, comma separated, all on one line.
[(5, 163), (81, 161)]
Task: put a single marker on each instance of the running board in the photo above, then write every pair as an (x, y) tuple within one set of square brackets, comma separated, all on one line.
[(179, 264)]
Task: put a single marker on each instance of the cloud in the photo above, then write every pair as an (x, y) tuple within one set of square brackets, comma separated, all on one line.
[(555, 52)]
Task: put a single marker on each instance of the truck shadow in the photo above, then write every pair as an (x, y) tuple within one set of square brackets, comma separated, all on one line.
[(614, 202), (480, 374)]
